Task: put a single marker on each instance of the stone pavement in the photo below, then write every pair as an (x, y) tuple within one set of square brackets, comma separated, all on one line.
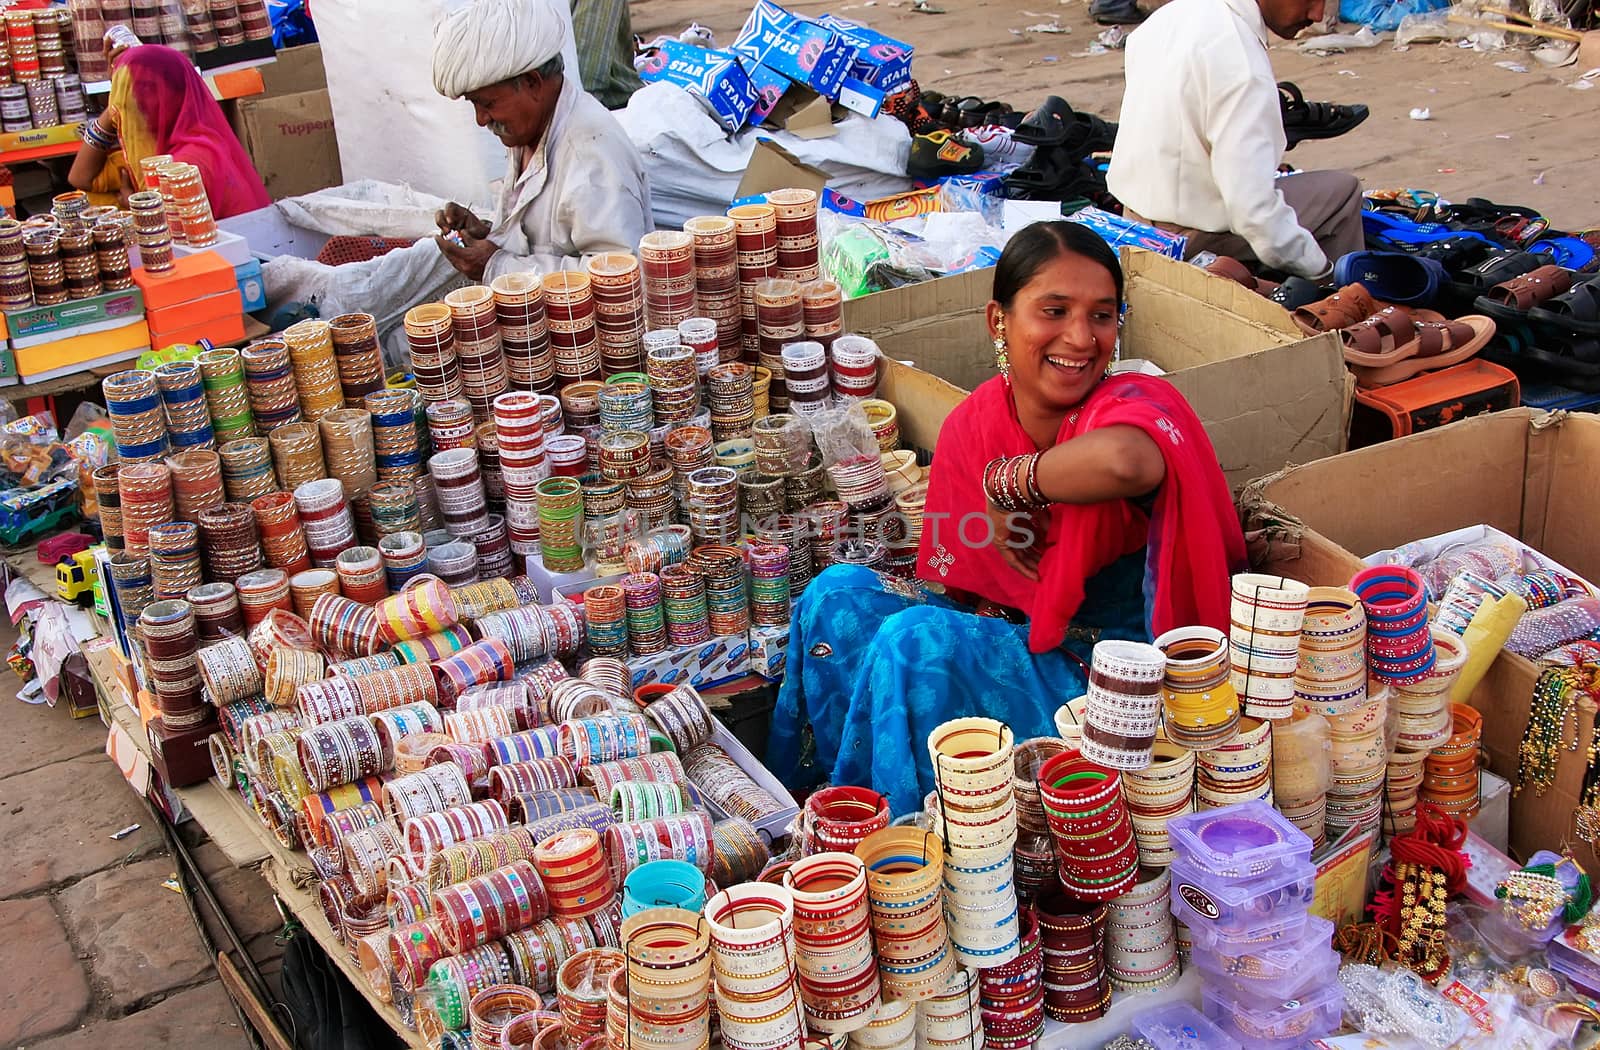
[(97, 951)]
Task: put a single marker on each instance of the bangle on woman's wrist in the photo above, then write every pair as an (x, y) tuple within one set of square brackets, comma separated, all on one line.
[(1011, 483), (95, 134)]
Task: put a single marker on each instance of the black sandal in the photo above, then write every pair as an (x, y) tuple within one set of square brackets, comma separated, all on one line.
[(1498, 268), (1304, 120), (1047, 125), (1576, 311)]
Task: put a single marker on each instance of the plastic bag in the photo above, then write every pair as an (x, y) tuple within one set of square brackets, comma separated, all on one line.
[(1541, 630), (842, 433), (1385, 14), (1428, 27)]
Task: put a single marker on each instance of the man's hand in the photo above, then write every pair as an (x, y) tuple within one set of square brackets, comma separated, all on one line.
[(470, 257), (453, 217)]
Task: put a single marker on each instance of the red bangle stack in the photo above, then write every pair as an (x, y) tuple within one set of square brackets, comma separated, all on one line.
[(488, 907), (1012, 994), (1099, 858), (837, 819), (1072, 934), (575, 873)]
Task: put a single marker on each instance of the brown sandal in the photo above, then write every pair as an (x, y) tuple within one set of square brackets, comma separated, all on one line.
[(1349, 305), (1511, 300), (1383, 339), (1438, 344)]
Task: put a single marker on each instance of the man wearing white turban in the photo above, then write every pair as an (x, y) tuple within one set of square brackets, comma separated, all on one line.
[(575, 186)]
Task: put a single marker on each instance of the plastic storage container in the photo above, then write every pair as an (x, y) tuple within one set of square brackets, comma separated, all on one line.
[(1243, 915), (1277, 970), (1179, 1026), (1285, 1026), (1248, 841), (1315, 971)]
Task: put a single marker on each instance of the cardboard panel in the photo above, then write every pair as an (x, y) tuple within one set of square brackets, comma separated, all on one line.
[(938, 326), (921, 401)]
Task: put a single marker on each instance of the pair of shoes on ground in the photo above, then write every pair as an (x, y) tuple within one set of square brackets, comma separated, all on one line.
[(1387, 343)]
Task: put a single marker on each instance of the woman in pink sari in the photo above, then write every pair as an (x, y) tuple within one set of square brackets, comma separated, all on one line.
[(1064, 505), (159, 105)]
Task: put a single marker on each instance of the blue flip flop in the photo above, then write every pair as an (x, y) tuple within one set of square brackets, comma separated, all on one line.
[(1393, 277), (1570, 253)]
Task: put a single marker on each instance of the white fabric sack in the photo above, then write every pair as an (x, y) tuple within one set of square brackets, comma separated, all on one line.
[(367, 208)]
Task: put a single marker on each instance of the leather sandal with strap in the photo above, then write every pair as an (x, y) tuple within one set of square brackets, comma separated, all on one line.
[(1380, 340), (1578, 310), (1511, 300), (1435, 345), (1343, 308)]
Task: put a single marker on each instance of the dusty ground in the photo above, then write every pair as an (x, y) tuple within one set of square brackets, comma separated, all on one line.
[(1522, 138)]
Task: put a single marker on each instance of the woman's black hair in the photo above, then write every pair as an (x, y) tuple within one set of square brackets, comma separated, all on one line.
[(1034, 246)]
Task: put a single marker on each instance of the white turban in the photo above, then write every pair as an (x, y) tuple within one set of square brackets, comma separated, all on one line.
[(483, 42)]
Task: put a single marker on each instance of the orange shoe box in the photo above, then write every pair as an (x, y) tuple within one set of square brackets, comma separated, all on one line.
[(220, 330), (218, 317), (191, 277)]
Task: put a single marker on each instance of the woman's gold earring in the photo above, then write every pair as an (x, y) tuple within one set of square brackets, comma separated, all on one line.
[(1002, 360)]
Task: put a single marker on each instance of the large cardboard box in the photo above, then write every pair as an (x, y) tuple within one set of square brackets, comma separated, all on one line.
[(1528, 474), (1268, 395), (289, 130)]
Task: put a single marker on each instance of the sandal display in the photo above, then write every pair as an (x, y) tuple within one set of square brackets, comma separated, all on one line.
[(1395, 277), (1511, 300), (1435, 345), (1576, 310), (1349, 305)]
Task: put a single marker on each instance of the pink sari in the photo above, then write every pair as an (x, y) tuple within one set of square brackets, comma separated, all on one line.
[(1191, 534), (177, 115)]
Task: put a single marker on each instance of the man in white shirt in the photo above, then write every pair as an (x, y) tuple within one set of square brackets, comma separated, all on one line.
[(1201, 138)]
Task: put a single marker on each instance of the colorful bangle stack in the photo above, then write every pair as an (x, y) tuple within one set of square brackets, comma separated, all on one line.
[(228, 672), (339, 752), (1331, 677), (1450, 777), (1267, 613), (645, 616), (1202, 710), (1089, 822), (342, 626), (297, 454), (1301, 772), (488, 907), (1157, 794), (146, 490), (528, 807), (668, 981), (306, 587), (477, 664), (464, 860), (1012, 995), (196, 481), (975, 814), (905, 872), (433, 790), (739, 852), (1399, 646), (1073, 934), (367, 852), (1423, 707), (453, 981), (316, 367), (721, 780), (1238, 771), (1356, 763), (269, 378), (575, 873), (662, 767), (416, 612), (216, 611), (283, 541), (168, 632), (174, 559), (1402, 784), (222, 374), (838, 974), (1124, 707), (514, 696), (753, 959), (837, 819), (633, 802), (1011, 483), (686, 836), (361, 577), (1141, 945), (327, 520), (333, 814), (397, 723)]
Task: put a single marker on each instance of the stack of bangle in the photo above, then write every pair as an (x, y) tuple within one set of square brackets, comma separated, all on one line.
[(411, 754), (1073, 935), (1356, 763), (1331, 677), (321, 701), (488, 907), (1124, 704), (1157, 794), (413, 949), (477, 664), (893, 1027), (428, 833), (1099, 857), (753, 959), (493, 1009), (1267, 613), (1301, 772), (720, 779), (1141, 945), (686, 836), (1399, 646), (1012, 994), (668, 983), (228, 672), (416, 612), (464, 860), (526, 807), (340, 625), (836, 819), (434, 789), (833, 936), (513, 696), (646, 801), (1450, 774), (1012, 483), (396, 723), (1237, 771), (976, 814), (367, 852), (683, 716), (905, 878), (661, 767), (451, 984), (339, 752), (952, 1018), (576, 875), (99, 136), (665, 884), (434, 647), (354, 804), (581, 983), (1202, 710), (1402, 782), (1423, 707), (407, 684), (739, 852)]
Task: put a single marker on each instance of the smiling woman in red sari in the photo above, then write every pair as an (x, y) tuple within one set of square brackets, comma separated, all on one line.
[(1064, 505)]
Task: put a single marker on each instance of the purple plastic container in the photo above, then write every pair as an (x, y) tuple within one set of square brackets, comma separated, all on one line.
[(1282, 1026), (1315, 970), (1179, 1026), (1243, 915), (1250, 840)]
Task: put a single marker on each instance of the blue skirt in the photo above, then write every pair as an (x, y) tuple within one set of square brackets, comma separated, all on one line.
[(875, 663)]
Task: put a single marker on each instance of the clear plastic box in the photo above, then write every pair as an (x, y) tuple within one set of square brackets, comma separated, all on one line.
[(1314, 970), (1180, 1026), (1241, 916), (1250, 840), (1276, 969), (1286, 1026)]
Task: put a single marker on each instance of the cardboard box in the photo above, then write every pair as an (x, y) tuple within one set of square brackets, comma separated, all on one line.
[(191, 277), (289, 131), (716, 78), (702, 666), (33, 138), (76, 353), (220, 331), (806, 52), (97, 313), (772, 167), (881, 61), (1267, 395), (769, 651), (1526, 473), (232, 247)]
